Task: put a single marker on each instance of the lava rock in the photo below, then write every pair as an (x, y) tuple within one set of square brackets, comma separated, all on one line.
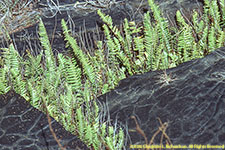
[(23, 127), (189, 99)]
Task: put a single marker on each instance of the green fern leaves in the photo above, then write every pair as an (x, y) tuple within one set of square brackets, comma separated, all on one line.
[(86, 64)]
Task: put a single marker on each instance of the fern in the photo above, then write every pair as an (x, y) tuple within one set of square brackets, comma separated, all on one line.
[(120, 55), (32, 67), (138, 47), (150, 43), (12, 61), (4, 88), (115, 44), (128, 39), (86, 64), (70, 102), (203, 40), (212, 40), (163, 31), (185, 39), (49, 57), (110, 45), (100, 68), (221, 39), (81, 125), (34, 93), (51, 75), (71, 72), (222, 7), (215, 14)]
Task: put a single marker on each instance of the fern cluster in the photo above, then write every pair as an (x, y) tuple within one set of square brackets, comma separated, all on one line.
[(68, 86), (162, 47)]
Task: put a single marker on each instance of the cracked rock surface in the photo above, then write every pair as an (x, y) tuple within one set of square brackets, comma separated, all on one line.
[(23, 127), (189, 98)]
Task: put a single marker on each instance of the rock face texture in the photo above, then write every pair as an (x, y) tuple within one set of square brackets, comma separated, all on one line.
[(22, 127), (190, 99)]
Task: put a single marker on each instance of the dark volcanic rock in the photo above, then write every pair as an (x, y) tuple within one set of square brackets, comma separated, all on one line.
[(190, 98), (22, 127)]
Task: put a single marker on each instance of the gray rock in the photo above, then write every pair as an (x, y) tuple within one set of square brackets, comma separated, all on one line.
[(22, 127), (190, 98)]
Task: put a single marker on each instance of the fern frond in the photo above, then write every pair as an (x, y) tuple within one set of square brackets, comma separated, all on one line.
[(116, 45), (128, 39), (121, 56), (19, 84), (212, 39), (150, 42), (84, 60), (222, 7), (33, 67), (49, 57), (162, 24), (110, 45), (71, 72), (81, 123), (206, 12), (185, 39), (99, 61), (13, 61), (159, 62), (214, 12), (221, 39), (106, 19), (203, 40), (120, 139), (140, 60), (137, 47), (109, 138), (34, 94), (4, 88)]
